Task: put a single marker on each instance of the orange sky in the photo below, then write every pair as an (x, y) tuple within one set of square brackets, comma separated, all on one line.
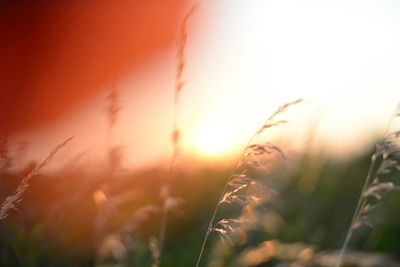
[(243, 60), (57, 54)]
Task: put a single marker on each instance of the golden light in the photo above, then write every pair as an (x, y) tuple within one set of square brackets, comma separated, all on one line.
[(214, 137), (276, 51)]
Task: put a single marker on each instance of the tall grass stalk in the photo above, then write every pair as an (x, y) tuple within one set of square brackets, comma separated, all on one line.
[(15, 198), (100, 193), (176, 132), (384, 161), (179, 84), (258, 149)]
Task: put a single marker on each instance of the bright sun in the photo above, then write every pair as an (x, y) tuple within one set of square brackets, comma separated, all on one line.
[(215, 137)]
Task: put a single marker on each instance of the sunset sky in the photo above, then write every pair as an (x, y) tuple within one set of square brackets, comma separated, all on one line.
[(244, 59)]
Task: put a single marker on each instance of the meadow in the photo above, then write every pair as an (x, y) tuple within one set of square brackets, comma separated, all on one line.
[(275, 206), (275, 209), (61, 222)]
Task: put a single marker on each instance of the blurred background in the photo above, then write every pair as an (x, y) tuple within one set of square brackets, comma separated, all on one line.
[(122, 191)]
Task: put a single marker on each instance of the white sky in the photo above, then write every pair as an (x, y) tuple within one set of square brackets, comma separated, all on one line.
[(342, 57)]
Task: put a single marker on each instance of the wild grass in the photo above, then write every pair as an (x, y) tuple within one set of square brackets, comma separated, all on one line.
[(168, 202), (384, 161), (121, 217), (241, 188), (179, 83), (12, 201)]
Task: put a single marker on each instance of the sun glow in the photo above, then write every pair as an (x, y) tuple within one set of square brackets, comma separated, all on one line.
[(215, 137), (264, 54)]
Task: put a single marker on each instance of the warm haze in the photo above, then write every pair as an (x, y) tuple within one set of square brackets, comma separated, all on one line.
[(244, 59), (175, 133)]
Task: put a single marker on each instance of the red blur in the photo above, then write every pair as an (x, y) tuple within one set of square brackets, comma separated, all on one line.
[(57, 54)]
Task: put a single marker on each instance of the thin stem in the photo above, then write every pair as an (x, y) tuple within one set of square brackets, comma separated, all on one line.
[(163, 229), (267, 124), (210, 225), (360, 205), (206, 236), (11, 202), (179, 84), (362, 200)]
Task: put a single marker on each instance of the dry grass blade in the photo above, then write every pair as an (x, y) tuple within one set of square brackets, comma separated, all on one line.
[(171, 203), (384, 161), (226, 227), (13, 200), (270, 122), (179, 81), (283, 108), (243, 190), (180, 56), (379, 189), (265, 148)]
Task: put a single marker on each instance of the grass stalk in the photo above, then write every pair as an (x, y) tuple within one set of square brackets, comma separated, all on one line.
[(371, 179), (176, 134), (269, 123), (359, 207), (15, 198)]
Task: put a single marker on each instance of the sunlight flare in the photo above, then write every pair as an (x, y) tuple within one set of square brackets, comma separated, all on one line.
[(214, 137)]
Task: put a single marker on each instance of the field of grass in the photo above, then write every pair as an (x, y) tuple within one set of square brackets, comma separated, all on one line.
[(72, 219), (276, 206)]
